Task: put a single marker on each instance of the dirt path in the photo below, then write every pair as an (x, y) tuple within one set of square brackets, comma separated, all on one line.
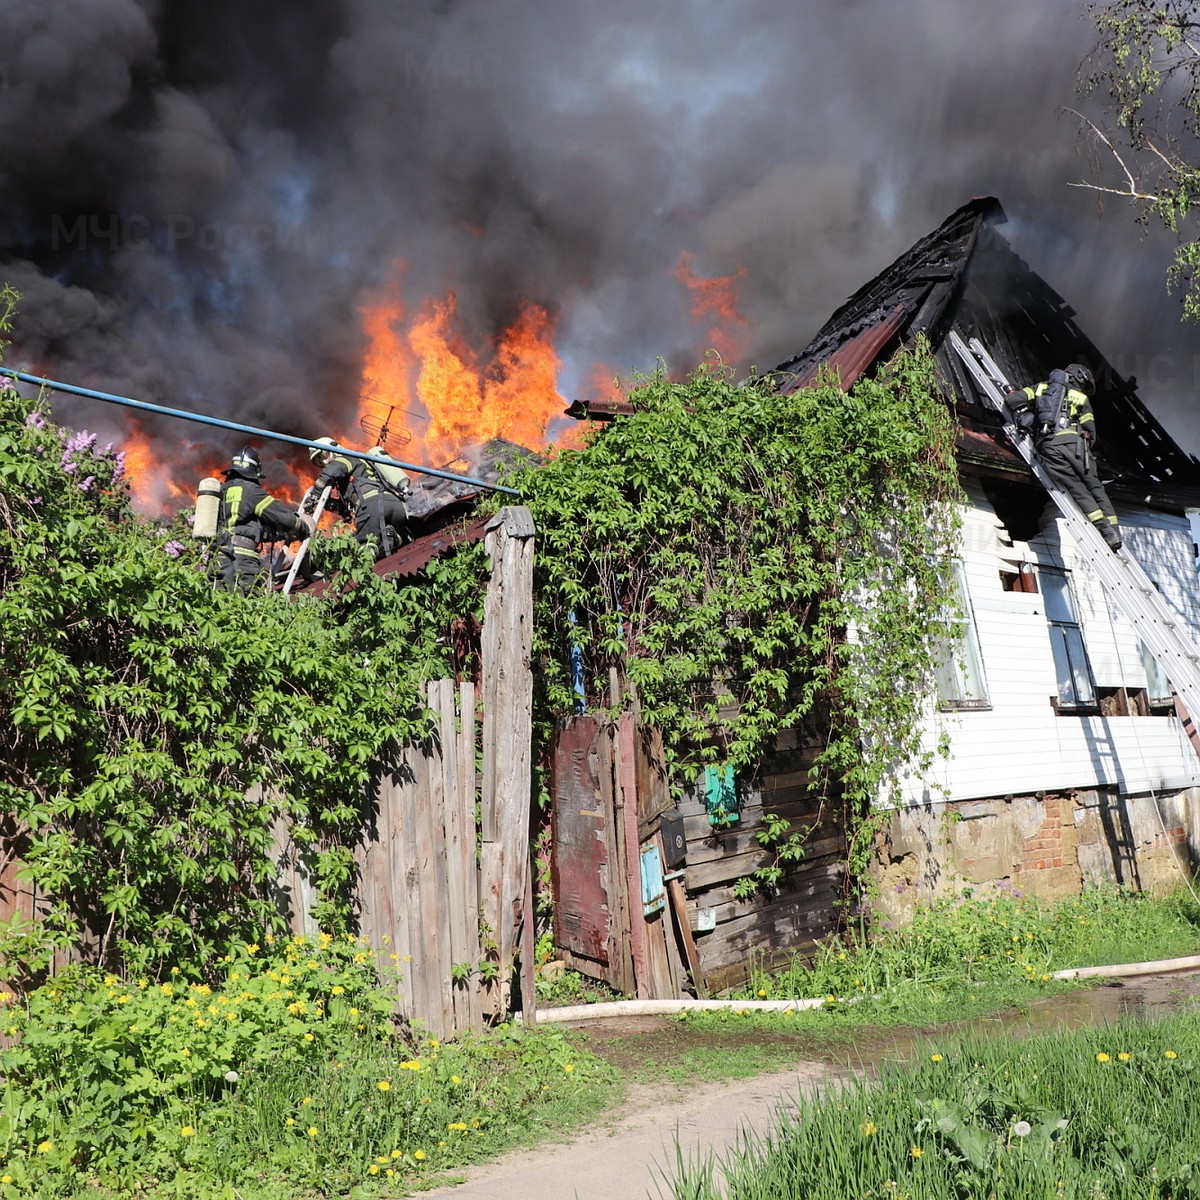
[(624, 1156), (629, 1153)]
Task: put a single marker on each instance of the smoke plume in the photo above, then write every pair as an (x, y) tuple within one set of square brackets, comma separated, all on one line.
[(196, 198)]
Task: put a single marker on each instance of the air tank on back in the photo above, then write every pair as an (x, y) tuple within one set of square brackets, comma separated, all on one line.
[(208, 508)]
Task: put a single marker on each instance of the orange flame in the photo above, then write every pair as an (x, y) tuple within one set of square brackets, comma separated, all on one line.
[(715, 305), (151, 486), (465, 398)]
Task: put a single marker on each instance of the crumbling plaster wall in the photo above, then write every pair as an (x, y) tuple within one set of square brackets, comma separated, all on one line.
[(1047, 845)]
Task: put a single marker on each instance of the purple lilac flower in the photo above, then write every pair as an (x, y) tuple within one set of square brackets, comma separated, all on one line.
[(35, 420), (85, 485), (119, 468), (174, 549), (81, 441), (68, 463)]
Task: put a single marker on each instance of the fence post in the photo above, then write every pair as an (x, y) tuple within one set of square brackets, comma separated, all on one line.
[(507, 692)]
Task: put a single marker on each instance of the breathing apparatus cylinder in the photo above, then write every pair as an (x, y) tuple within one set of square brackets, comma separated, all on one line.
[(208, 508), (395, 477)]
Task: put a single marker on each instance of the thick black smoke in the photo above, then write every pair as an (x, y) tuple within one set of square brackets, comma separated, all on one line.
[(195, 197)]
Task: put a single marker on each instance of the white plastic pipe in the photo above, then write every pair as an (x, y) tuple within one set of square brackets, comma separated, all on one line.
[(663, 1008)]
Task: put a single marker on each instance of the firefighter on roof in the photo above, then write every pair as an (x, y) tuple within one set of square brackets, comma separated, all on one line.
[(365, 494), (1058, 415), (249, 516)]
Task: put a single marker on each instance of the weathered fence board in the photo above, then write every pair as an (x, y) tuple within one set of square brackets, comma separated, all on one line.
[(507, 724)]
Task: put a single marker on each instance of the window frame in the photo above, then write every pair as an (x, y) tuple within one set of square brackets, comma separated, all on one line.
[(950, 664), (1068, 646)]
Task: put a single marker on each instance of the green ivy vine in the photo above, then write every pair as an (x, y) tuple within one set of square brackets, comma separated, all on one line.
[(740, 560)]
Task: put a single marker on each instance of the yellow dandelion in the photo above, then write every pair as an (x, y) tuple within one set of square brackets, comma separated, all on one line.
[(6, 1179), (45, 1147), (457, 1125), (306, 1100), (1170, 1054), (167, 989), (312, 1131), (174, 970), (569, 1067), (124, 999), (419, 1155), (916, 1151), (456, 1079), (867, 1128), (337, 989), (308, 1037), (935, 1058), (188, 1131), (389, 1172), (1102, 1057), (384, 1085), (373, 1169), (290, 1121), (397, 1153), (1124, 1056)]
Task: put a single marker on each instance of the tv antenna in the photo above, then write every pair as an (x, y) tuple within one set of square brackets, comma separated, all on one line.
[(379, 425)]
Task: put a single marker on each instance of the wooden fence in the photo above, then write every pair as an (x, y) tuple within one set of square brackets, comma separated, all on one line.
[(444, 858)]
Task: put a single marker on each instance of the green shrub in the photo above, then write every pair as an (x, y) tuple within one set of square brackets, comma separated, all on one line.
[(155, 733)]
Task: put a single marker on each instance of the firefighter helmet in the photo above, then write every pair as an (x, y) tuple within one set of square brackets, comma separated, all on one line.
[(1081, 379), (325, 445), (246, 464)]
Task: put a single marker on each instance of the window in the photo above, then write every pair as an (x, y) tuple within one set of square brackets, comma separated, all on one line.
[(1158, 686), (958, 665), (1076, 688)]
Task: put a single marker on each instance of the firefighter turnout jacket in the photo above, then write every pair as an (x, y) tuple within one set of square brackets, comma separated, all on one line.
[(376, 508), (250, 516)]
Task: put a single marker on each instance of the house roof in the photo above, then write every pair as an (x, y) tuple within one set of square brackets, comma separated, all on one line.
[(965, 276)]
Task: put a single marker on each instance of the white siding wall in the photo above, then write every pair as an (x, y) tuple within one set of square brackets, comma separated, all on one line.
[(1019, 745)]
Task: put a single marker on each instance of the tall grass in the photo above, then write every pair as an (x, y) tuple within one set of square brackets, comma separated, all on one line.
[(1000, 937), (1105, 1113)]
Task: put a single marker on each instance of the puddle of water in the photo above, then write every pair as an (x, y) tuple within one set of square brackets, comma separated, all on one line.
[(1144, 997)]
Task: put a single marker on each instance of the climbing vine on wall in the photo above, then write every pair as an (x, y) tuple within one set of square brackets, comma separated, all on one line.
[(743, 560)]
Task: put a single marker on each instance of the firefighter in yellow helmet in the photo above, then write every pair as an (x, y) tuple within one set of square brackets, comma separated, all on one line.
[(364, 495), (1058, 415)]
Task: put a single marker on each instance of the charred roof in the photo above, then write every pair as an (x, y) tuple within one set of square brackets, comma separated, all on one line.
[(965, 276)]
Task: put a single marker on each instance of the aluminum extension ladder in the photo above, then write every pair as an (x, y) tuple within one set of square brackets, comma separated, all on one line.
[(304, 545), (1162, 630)]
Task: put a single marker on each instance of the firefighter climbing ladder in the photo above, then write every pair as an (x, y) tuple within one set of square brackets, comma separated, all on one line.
[(1162, 630)]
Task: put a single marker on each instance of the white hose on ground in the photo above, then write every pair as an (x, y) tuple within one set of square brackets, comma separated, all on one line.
[(661, 1008), (1162, 967)]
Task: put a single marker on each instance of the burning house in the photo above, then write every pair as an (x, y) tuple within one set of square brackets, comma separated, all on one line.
[(1069, 761)]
